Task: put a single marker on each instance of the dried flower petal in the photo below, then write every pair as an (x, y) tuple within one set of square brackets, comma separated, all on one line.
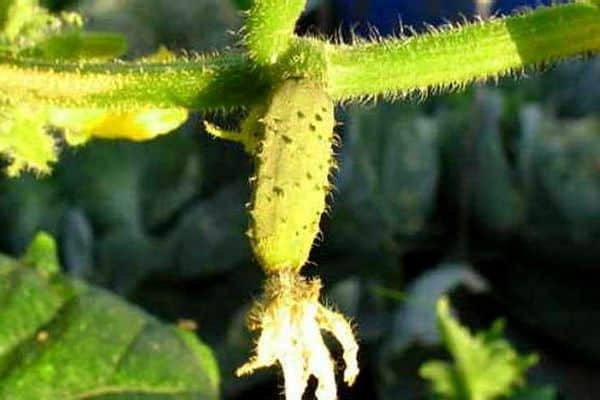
[(291, 318)]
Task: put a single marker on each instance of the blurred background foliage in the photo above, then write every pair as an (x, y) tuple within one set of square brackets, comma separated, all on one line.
[(491, 195)]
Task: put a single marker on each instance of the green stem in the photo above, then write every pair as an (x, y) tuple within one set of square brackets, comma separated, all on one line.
[(392, 67), (270, 28), (452, 58), (220, 82)]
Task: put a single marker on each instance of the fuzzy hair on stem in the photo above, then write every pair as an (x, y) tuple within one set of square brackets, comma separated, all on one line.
[(449, 58), (270, 28), (442, 60)]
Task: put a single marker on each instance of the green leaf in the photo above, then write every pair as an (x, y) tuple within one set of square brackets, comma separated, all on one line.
[(415, 319), (535, 393), (42, 254), (485, 365), (23, 24), (497, 205), (242, 4), (29, 30), (24, 140), (62, 339), (26, 143), (390, 174), (14, 15), (75, 45), (558, 163)]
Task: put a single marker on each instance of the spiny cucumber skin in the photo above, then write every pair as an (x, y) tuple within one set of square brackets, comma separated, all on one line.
[(291, 182)]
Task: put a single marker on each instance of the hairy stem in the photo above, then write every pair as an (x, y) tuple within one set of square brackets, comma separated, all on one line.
[(270, 28), (199, 83), (454, 57), (391, 67)]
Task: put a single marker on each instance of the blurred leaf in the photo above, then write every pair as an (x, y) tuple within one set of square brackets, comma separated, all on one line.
[(558, 162), (485, 365), (387, 180), (172, 178), (345, 294), (412, 338), (242, 4), (102, 179), (148, 24), (77, 244), (58, 4), (62, 339), (24, 24), (27, 205), (389, 162), (126, 255), (77, 45), (496, 202), (211, 238), (534, 393), (415, 319), (481, 186), (234, 350), (15, 15), (41, 254), (123, 205), (24, 140)]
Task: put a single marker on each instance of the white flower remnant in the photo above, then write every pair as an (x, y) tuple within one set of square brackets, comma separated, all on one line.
[(290, 318)]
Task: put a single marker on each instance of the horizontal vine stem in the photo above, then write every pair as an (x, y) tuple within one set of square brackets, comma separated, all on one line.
[(390, 67), (219, 82), (456, 56)]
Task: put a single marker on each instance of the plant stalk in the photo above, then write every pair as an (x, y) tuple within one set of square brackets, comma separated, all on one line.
[(453, 57), (220, 82)]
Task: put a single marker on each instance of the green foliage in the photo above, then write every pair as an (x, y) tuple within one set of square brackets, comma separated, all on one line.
[(242, 4), (416, 318), (75, 46), (60, 338), (486, 367), (389, 172), (24, 140), (393, 170), (534, 393), (476, 162), (200, 24), (24, 22), (558, 165), (54, 74), (42, 254), (29, 30)]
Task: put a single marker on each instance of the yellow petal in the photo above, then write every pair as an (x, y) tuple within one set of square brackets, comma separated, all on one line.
[(83, 124)]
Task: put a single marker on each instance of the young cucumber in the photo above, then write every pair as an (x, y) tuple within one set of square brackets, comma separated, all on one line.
[(291, 182)]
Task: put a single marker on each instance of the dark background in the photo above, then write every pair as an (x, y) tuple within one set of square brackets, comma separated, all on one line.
[(491, 195)]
